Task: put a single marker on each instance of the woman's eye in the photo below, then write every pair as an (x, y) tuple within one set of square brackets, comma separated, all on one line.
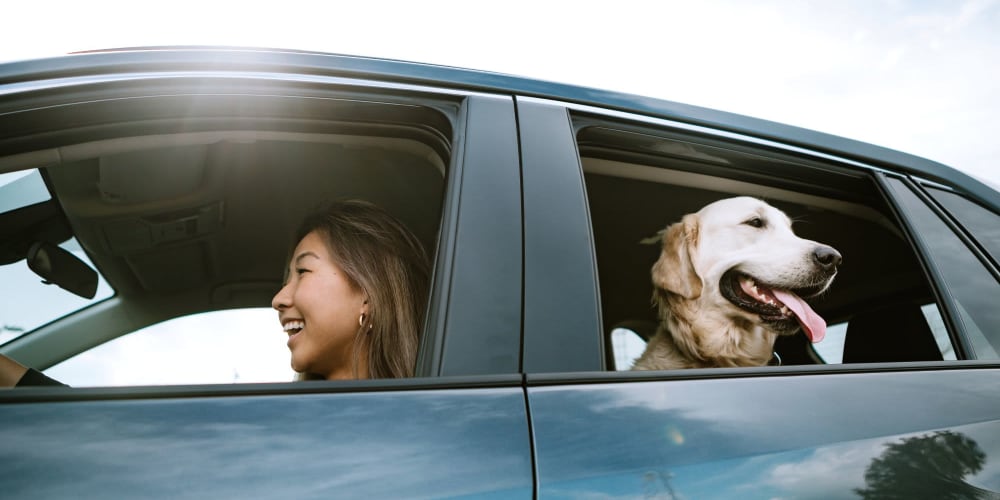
[(301, 270), (755, 222)]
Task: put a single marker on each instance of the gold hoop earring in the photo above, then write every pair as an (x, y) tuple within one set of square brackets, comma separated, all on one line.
[(361, 320)]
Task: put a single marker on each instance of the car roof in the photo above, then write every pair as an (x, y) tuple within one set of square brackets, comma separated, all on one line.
[(205, 58)]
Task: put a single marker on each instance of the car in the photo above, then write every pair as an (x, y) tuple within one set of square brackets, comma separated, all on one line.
[(180, 173)]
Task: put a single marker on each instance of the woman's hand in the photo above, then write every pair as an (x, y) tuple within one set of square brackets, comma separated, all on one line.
[(10, 371)]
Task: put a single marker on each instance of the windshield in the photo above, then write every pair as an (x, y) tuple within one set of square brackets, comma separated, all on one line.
[(30, 303)]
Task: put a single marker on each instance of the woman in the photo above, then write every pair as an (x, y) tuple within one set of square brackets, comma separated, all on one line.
[(354, 295), (352, 303)]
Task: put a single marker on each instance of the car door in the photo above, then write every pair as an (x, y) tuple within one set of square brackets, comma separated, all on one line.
[(383, 440), (457, 429), (814, 428)]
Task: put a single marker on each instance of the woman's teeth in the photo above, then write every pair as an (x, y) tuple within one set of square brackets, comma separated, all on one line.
[(294, 326)]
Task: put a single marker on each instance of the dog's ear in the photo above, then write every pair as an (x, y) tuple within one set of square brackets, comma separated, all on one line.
[(674, 271)]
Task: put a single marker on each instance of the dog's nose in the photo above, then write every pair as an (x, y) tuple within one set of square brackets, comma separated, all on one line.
[(828, 258)]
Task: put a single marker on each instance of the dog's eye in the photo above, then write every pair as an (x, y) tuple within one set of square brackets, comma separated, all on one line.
[(754, 222)]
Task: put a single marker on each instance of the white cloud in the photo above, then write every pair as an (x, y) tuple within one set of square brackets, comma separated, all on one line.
[(832, 470)]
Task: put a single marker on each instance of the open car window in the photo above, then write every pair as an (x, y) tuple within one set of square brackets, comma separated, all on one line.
[(190, 222), (641, 179)]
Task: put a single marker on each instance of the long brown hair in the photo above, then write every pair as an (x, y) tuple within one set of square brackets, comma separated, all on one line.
[(387, 263)]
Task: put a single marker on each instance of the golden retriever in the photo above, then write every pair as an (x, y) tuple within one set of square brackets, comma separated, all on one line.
[(730, 279)]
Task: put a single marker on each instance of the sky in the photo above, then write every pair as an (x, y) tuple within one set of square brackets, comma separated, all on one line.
[(917, 76)]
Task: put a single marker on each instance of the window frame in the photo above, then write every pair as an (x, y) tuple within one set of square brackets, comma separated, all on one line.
[(562, 308), (482, 174)]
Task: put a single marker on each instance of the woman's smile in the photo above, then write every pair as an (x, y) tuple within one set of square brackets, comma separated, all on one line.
[(293, 327)]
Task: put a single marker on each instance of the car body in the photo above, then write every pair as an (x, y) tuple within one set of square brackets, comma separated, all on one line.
[(182, 172)]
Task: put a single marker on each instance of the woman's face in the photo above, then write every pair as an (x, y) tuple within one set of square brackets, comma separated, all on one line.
[(319, 310)]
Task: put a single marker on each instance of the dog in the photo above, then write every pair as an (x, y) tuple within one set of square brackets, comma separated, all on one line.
[(729, 280)]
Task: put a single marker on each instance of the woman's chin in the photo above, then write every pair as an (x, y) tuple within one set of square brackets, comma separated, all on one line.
[(298, 365)]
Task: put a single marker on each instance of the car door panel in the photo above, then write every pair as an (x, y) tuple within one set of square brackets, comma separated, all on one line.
[(392, 444), (814, 435)]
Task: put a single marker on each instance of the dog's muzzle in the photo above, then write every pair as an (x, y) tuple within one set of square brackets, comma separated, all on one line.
[(782, 309)]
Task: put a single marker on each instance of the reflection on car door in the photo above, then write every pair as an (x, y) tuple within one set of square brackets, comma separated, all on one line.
[(810, 435), (391, 444)]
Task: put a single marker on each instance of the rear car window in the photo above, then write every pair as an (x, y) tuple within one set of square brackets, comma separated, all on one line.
[(973, 288), (641, 179), (981, 222)]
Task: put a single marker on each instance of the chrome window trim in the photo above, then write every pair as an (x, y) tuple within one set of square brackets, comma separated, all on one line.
[(11, 89)]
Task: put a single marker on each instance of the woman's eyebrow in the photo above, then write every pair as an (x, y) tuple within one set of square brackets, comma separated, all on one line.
[(295, 262), (299, 257)]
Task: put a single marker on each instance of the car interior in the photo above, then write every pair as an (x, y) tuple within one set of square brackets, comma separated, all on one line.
[(196, 218), (641, 180)]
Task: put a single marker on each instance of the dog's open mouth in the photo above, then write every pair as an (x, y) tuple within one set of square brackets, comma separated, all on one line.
[(774, 305)]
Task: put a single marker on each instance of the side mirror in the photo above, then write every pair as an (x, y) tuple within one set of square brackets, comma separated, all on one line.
[(60, 267)]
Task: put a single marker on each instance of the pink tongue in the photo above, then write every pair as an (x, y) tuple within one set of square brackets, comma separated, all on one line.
[(812, 323)]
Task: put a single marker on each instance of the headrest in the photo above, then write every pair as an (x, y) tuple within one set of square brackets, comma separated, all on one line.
[(894, 333)]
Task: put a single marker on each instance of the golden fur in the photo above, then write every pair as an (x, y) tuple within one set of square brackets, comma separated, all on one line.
[(699, 327)]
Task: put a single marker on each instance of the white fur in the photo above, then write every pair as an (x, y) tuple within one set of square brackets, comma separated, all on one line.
[(699, 327)]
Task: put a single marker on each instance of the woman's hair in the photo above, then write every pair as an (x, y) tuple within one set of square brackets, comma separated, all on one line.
[(387, 263)]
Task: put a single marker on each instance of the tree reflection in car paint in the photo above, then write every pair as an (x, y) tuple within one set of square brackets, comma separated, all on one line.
[(753, 437)]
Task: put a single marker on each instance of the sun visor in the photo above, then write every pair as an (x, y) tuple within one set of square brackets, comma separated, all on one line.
[(151, 175)]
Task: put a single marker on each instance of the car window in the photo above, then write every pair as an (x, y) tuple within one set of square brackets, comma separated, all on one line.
[(627, 347), (20, 189), (973, 288), (34, 305), (641, 179), (983, 224), (831, 349), (218, 347), (201, 223)]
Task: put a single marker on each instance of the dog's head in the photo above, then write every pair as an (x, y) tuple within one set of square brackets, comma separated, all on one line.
[(739, 259)]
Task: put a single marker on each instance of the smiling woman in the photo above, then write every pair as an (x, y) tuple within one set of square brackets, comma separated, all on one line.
[(354, 295)]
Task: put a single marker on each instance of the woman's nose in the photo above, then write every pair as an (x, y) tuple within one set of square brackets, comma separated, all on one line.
[(282, 299)]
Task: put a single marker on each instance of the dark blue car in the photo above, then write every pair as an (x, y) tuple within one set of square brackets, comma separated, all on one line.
[(179, 175)]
